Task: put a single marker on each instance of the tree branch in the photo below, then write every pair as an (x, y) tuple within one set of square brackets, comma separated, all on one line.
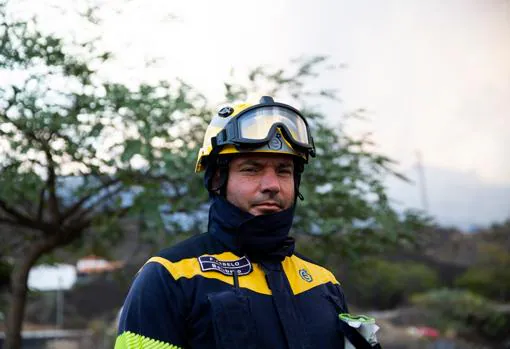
[(100, 200), (9, 222), (30, 224), (41, 204), (176, 189), (50, 183), (5, 37), (11, 238), (120, 213), (20, 217), (68, 235), (77, 205)]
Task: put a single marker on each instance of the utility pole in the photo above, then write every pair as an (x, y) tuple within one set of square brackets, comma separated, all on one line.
[(60, 304), (422, 183)]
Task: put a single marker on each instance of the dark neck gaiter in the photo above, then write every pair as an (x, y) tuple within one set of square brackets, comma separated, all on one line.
[(261, 238)]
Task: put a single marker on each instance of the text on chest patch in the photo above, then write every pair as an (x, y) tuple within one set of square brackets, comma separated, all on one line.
[(242, 266)]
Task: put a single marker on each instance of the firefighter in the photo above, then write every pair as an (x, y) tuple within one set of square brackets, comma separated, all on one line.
[(241, 284)]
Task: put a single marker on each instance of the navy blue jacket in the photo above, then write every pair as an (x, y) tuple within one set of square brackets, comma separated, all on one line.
[(188, 297)]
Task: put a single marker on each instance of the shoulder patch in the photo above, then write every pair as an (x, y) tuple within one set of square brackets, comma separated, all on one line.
[(304, 275)]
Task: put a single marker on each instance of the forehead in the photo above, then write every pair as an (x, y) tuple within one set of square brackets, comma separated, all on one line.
[(263, 158)]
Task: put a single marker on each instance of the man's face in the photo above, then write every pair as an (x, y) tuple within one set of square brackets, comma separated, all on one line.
[(261, 183)]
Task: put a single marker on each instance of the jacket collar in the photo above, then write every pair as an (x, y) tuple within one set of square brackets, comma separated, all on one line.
[(261, 238)]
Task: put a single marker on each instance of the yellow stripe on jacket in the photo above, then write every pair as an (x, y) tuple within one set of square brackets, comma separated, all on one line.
[(302, 275)]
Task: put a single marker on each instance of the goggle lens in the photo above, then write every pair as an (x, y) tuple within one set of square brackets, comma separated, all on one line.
[(256, 124)]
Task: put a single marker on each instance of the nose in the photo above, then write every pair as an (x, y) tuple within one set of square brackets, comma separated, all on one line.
[(269, 182)]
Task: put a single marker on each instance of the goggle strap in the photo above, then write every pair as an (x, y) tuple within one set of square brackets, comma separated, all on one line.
[(217, 140), (224, 135), (312, 149)]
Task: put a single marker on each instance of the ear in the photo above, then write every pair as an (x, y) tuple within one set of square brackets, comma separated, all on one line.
[(217, 176), (216, 181)]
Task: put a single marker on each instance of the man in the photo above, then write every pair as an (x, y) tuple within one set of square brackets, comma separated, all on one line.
[(240, 285)]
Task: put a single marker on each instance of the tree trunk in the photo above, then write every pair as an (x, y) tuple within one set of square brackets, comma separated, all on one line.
[(19, 289)]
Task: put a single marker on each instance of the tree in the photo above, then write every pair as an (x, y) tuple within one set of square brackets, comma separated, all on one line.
[(79, 153)]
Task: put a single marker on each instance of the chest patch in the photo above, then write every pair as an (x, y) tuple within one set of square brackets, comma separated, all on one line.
[(209, 263)]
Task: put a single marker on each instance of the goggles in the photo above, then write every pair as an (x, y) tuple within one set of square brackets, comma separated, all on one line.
[(257, 125)]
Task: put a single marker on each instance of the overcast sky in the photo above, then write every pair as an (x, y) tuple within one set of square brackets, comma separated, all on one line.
[(434, 75)]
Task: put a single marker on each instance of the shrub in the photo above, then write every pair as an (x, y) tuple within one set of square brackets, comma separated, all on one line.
[(383, 284), (467, 313), (490, 275)]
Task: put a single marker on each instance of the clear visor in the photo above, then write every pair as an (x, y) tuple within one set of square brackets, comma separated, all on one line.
[(256, 124)]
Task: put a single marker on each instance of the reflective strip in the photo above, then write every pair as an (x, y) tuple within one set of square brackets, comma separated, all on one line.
[(303, 275), (130, 340), (190, 267)]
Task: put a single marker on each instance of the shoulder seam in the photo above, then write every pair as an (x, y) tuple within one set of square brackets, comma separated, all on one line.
[(299, 255)]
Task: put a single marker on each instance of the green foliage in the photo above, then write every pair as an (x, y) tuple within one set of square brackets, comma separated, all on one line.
[(469, 314), (79, 153), (382, 284), (490, 275)]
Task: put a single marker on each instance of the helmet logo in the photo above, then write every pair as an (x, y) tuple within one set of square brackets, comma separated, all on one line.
[(225, 111), (275, 143), (305, 275)]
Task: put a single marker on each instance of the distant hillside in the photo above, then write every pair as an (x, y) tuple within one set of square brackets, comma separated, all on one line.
[(450, 252), (455, 198)]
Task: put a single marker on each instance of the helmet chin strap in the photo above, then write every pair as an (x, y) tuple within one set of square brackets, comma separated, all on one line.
[(299, 167), (223, 173)]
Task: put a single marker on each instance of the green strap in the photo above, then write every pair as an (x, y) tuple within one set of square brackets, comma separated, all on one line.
[(130, 340)]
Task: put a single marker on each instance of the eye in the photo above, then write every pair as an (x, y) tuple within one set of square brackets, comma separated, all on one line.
[(249, 169), (286, 171)]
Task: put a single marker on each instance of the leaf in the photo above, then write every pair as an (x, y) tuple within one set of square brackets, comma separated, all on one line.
[(131, 147)]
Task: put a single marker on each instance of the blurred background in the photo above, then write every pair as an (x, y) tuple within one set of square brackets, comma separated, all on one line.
[(103, 105)]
